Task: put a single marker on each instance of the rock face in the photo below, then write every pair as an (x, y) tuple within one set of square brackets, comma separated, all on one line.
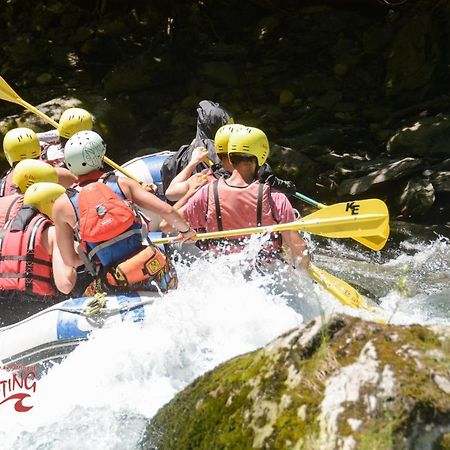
[(357, 90), (347, 384)]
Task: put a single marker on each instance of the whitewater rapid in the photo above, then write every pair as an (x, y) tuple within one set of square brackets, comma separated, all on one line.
[(102, 395)]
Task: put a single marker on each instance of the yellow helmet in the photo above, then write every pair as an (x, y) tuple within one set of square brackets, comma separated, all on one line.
[(30, 171), (74, 120), (250, 141), (223, 135), (43, 196), (21, 143)]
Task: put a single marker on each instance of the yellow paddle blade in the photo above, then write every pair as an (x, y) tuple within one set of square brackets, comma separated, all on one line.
[(378, 241), (345, 293), (371, 214), (7, 93), (375, 242)]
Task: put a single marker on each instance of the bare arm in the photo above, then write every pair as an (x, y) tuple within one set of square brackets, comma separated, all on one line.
[(179, 185), (137, 194), (298, 250), (65, 276), (65, 177), (194, 184), (64, 219)]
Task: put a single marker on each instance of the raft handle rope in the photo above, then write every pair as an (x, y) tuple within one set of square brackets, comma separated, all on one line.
[(83, 312)]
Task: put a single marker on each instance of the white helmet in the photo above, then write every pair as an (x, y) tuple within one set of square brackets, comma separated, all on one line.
[(84, 152)]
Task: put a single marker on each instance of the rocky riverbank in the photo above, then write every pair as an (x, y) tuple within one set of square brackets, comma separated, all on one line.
[(352, 94), (346, 384)]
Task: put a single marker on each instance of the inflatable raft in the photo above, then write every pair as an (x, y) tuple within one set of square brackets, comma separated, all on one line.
[(53, 333), (50, 335)]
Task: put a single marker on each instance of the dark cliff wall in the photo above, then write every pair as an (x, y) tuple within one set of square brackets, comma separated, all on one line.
[(335, 80)]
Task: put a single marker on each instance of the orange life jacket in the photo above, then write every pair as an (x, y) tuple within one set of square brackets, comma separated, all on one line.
[(25, 264)]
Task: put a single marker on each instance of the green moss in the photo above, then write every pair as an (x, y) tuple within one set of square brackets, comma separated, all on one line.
[(271, 398), (378, 435)]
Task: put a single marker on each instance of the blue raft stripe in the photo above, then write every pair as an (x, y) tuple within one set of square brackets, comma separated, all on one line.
[(136, 314), (154, 163), (67, 323), (67, 327)]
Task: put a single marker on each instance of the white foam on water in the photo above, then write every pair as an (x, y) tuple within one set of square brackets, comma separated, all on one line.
[(110, 384), (103, 393)]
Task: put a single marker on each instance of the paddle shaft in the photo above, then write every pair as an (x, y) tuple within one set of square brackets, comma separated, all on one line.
[(337, 227), (309, 200)]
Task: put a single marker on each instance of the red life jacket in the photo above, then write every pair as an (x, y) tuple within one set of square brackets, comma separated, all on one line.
[(7, 187), (232, 207), (9, 207), (25, 264)]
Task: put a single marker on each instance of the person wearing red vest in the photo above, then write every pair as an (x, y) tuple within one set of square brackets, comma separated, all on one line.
[(26, 173), (32, 272), (242, 201), (83, 156), (23, 143)]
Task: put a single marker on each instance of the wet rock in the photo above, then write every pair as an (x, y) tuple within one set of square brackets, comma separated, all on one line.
[(392, 171), (427, 137), (344, 384), (294, 165), (220, 72), (441, 181), (417, 197), (286, 97)]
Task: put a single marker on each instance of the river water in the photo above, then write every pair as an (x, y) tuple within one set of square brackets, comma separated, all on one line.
[(102, 395)]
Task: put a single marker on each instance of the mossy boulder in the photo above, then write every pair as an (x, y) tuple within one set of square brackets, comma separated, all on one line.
[(346, 383)]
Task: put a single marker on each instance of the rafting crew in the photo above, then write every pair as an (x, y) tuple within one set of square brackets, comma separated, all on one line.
[(111, 234), (187, 180), (243, 201), (32, 271), (23, 143)]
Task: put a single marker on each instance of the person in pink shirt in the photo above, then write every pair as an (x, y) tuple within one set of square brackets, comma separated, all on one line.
[(242, 201)]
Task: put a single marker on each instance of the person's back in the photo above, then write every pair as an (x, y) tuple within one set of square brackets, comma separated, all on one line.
[(242, 201), (121, 273)]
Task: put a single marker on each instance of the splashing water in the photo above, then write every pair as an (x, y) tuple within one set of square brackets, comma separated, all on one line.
[(103, 393)]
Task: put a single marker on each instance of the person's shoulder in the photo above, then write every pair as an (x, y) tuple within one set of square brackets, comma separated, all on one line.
[(279, 198), (201, 195)]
